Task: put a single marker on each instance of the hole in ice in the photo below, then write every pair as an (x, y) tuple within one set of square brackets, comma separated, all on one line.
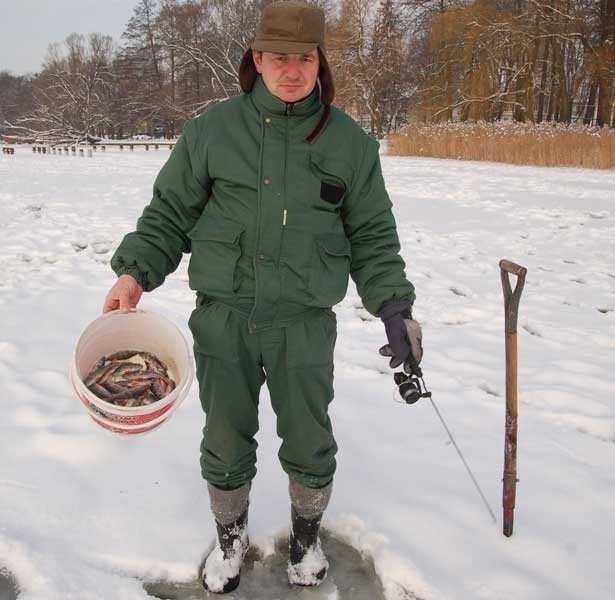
[(350, 577), (8, 586)]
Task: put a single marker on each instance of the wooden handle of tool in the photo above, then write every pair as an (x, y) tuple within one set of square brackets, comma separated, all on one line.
[(511, 298), (513, 268), (511, 311)]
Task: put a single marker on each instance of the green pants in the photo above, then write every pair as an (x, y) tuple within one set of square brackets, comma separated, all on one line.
[(232, 364)]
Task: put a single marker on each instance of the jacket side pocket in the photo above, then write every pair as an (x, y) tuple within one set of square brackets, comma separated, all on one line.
[(215, 252), (330, 268)]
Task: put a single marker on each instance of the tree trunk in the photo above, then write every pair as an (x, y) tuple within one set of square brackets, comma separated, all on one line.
[(604, 103), (590, 109), (543, 83)]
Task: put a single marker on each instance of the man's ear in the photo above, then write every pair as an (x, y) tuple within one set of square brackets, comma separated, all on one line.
[(257, 57)]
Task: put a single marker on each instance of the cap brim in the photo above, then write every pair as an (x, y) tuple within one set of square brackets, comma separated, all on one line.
[(284, 47)]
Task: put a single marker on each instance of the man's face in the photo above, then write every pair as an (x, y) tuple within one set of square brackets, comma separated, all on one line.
[(290, 77)]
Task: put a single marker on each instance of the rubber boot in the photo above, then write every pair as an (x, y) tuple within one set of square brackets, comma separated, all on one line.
[(222, 570), (307, 564)]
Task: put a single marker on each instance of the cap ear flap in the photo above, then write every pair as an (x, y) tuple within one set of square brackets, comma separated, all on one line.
[(327, 86), (247, 72)]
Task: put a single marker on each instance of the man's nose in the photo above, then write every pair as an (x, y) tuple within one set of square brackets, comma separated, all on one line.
[(292, 69)]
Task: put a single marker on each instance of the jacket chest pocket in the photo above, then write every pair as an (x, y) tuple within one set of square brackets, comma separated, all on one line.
[(215, 252), (329, 270), (332, 179)]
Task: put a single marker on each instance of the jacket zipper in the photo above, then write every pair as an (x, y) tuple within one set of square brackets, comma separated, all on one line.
[(288, 113)]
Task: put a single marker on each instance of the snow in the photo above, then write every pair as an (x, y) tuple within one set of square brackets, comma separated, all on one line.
[(89, 515), (220, 569), (308, 572)]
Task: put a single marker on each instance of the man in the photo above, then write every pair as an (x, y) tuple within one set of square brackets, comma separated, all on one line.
[(279, 197)]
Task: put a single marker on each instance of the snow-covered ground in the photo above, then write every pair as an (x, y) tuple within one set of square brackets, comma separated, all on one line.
[(86, 515)]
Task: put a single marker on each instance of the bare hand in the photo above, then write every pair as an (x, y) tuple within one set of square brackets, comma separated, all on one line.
[(125, 294)]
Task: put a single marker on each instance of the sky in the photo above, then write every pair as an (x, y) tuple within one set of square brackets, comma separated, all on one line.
[(27, 27)]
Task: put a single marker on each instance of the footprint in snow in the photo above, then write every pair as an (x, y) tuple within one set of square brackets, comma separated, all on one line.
[(605, 311), (101, 247), (578, 280), (79, 246), (599, 215), (455, 322), (364, 315), (489, 389), (531, 330), (457, 291)]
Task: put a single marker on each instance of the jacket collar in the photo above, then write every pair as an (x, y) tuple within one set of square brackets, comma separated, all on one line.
[(266, 102)]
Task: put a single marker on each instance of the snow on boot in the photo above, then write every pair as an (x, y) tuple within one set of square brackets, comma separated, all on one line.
[(307, 564), (221, 572)]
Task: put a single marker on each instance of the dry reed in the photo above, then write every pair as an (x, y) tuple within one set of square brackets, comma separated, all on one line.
[(553, 145)]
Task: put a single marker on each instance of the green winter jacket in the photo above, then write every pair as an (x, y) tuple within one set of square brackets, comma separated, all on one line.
[(275, 224)]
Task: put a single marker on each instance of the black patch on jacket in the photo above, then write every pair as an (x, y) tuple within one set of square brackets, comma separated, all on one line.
[(331, 193)]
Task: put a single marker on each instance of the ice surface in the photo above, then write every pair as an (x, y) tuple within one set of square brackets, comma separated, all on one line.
[(350, 577), (88, 515)]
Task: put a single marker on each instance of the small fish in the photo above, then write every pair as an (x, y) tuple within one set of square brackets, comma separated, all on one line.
[(123, 382), (131, 393), (100, 391), (159, 388), (153, 362), (114, 388), (94, 371), (122, 355)]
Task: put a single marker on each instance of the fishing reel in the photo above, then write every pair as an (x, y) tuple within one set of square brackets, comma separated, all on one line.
[(411, 387)]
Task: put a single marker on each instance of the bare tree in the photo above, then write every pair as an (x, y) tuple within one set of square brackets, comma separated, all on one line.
[(71, 94)]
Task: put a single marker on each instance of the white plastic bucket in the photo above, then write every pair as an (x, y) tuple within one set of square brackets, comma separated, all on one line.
[(137, 330)]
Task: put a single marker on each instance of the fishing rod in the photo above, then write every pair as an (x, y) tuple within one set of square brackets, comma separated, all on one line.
[(412, 388)]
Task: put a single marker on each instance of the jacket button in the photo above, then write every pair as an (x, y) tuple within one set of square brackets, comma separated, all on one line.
[(267, 120), (261, 257), (266, 181)]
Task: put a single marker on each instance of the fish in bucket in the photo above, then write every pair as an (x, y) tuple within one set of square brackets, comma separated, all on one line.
[(131, 371)]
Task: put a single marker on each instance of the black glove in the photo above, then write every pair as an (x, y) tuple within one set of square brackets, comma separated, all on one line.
[(404, 335)]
